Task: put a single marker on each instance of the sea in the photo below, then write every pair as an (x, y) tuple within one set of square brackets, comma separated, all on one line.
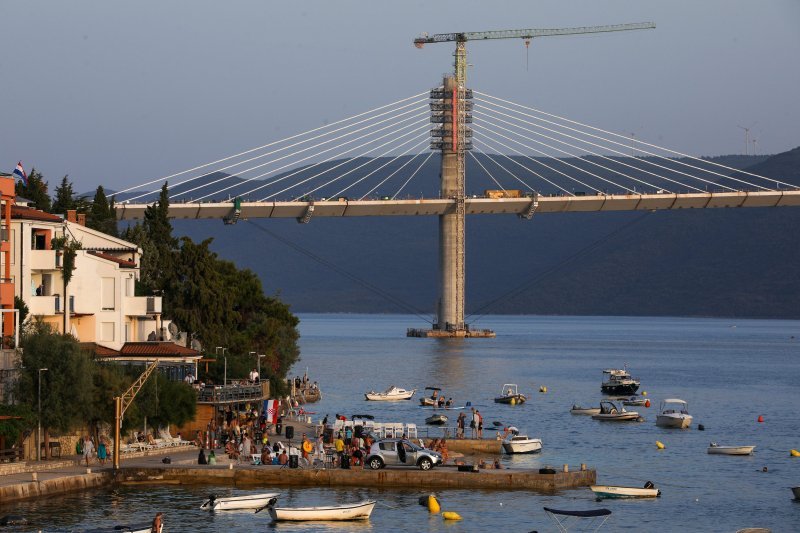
[(732, 373)]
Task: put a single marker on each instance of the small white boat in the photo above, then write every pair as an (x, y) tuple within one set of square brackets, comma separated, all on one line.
[(578, 410), (233, 503), (510, 394), (138, 528), (391, 394), (715, 448), (610, 491), (610, 412), (516, 443), (674, 413), (436, 420), (355, 511), (636, 401)]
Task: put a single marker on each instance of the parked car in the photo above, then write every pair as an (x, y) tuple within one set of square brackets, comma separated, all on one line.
[(401, 452)]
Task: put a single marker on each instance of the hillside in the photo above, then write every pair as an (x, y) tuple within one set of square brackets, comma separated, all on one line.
[(694, 263)]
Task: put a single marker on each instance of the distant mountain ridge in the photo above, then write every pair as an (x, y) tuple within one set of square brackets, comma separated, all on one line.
[(726, 262)]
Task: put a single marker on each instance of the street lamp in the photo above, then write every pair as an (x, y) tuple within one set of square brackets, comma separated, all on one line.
[(259, 365), (216, 351), (39, 444)]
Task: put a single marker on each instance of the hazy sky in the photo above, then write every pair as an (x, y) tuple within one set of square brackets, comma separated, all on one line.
[(121, 93)]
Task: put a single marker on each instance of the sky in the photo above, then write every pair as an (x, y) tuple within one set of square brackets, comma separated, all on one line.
[(120, 93)]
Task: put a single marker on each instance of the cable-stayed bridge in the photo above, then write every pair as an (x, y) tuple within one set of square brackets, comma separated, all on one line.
[(526, 162)]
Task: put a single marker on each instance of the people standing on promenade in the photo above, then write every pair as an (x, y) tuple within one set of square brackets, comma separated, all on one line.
[(102, 451), (88, 448), (460, 425), (348, 435), (479, 423), (473, 424), (158, 523), (338, 445)]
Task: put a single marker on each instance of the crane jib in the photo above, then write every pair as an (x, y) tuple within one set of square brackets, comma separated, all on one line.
[(528, 33)]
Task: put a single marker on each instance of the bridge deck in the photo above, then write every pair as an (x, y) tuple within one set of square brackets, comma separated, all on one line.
[(474, 206)]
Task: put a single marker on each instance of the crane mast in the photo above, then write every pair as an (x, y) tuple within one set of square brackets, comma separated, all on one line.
[(450, 108)]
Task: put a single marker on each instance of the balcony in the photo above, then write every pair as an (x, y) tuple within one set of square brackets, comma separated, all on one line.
[(44, 260), (142, 305), (43, 305)]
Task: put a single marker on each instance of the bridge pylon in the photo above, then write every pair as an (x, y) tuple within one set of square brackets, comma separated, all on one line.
[(451, 108)]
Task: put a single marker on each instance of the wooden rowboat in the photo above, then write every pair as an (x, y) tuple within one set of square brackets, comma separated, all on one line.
[(610, 491), (715, 448), (355, 511), (233, 503)]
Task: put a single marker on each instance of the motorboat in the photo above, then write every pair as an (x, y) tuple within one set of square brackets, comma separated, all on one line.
[(636, 401), (234, 503), (432, 400), (611, 412), (516, 443), (389, 395), (619, 381), (674, 413), (436, 420), (510, 394), (578, 410), (715, 448), (610, 491), (355, 511)]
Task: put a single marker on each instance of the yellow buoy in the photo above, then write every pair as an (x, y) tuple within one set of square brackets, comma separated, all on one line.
[(542, 389), (451, 515), (644, 393), (433, 504), (795, 453), (513, 401), (659, 445)]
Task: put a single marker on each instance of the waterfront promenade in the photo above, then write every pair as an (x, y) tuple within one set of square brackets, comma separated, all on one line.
[(69, 475)]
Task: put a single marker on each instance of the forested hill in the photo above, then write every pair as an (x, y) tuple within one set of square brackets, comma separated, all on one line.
[(726, 262)]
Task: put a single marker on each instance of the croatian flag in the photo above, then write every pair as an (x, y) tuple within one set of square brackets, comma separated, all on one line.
[(19, 172), (271, 408)]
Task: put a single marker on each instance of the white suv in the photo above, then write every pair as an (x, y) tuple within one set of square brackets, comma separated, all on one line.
[(401, 452)]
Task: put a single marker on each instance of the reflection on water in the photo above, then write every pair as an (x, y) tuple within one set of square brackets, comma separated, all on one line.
[(728, 375)]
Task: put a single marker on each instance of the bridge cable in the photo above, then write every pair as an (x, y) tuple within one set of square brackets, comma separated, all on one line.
[(272, 143), (694, 158), (561, 160), (478, 140), (403, 186), (537, 161), (389, 162), (330, 159), (490, 158), (531, 282), (387, 178), (486, 170), (619, 162), (414, 131), (367, 285), (369, 126)]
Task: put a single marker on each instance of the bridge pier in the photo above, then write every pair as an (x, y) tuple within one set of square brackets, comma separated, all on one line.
[(449, 114)]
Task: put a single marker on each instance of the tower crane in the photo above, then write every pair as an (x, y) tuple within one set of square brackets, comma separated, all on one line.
[(461, 38), (453, 140)]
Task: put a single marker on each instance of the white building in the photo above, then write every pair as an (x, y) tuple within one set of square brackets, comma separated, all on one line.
[(99, 304)]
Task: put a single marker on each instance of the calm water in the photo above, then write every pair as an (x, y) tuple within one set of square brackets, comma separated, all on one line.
[(730, 372)]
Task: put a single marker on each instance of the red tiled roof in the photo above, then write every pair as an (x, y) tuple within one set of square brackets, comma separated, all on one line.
[(28, 213), (99, 350), (157, 348), (121, 262)]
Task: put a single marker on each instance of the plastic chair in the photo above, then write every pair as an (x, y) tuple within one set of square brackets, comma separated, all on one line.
[(411, 431)]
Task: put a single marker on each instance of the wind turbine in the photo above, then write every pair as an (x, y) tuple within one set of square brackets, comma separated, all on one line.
[(747, 136)]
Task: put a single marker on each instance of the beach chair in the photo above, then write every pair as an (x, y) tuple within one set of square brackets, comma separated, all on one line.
[(586, 520)]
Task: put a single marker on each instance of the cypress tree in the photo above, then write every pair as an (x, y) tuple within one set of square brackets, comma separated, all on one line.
[(64, 199), (35, 191)]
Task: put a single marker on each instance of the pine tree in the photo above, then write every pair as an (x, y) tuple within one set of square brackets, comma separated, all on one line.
[(102, 216), (64, 199), (157, 270), (35, 191)]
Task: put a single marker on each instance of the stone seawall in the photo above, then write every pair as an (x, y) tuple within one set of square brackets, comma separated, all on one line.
[(441, 478), (49, 487)]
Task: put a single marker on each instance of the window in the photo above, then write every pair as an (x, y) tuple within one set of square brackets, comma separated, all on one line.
[(107, 332), (107, 294)]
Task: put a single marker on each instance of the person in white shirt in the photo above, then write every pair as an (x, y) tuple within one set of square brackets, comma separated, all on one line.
[(254, 376)]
